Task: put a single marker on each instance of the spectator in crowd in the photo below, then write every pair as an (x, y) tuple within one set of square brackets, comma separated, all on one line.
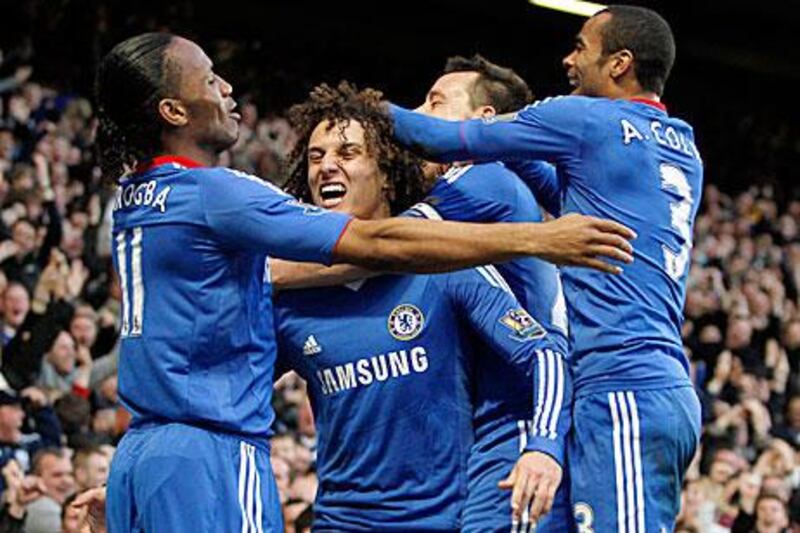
[(27, 424), (66, 368), (91, 466), (16, 304), (54, 467), (20, 490), (71, 517), (771, 516), (789, 430)]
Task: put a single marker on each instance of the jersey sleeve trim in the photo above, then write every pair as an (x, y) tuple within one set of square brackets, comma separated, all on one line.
[(339, 238)]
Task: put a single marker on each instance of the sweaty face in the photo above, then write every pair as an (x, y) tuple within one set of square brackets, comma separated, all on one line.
[(208, 98), (586, 66), (342, 174)]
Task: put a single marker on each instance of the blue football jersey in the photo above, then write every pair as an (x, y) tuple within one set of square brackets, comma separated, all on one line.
[(190, 248), (626, 160), (386, 362), (489, 192)]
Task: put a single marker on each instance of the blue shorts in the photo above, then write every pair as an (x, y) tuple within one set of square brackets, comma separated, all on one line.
[(488, 508), (628, 453), (176, 478)]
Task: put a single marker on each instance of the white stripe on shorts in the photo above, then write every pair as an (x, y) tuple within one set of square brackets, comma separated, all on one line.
[(250, 490), (637, 460), (242, 477), (612, 403), (627, 462)]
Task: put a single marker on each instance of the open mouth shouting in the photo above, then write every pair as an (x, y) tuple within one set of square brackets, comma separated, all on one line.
[(332, 194)]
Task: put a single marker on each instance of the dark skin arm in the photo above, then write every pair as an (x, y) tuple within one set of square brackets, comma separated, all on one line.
[(404, 245)]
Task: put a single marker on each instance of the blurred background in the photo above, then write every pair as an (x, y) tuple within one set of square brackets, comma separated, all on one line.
[(736, 69)]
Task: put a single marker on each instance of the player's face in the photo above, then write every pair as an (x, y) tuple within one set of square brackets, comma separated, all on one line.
[(587, 67), (207, 97), (450, 98), (342, 173)]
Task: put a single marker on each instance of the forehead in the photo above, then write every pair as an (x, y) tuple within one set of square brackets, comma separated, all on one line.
[(593, 26), (326, 135), (97, 458), (16, 290), (454, 82), (52, 463), (64, 338), (23, 225), (188, 55)]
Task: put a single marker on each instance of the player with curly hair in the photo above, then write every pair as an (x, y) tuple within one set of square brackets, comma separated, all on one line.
[(337, 108), (390, 360)]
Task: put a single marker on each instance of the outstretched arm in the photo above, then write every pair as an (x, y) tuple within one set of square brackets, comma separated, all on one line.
[(550, 130), (404, 245), (249, 214)]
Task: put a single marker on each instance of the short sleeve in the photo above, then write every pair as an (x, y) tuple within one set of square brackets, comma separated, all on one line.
[(248, 213)]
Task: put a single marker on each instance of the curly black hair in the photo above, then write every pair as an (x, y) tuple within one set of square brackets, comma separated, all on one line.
[(339, 106)]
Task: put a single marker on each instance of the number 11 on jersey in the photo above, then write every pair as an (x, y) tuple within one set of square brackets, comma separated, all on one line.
[(129, 268)]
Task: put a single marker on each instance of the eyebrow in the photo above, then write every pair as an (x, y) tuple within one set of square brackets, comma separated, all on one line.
[(434, 92), (348, 145), (345, 146)]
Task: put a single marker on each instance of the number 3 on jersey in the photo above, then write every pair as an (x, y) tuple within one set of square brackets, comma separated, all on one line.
[(674, 182), (129, 268)]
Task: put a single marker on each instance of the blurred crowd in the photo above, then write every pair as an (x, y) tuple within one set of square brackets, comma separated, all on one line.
[(742, 334), (59, 412)]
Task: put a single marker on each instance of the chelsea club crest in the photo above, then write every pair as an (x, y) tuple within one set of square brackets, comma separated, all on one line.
[(405, 322)]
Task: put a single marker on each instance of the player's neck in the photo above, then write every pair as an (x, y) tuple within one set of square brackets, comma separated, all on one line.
[(645, 95), (628, 89), (190, 149)]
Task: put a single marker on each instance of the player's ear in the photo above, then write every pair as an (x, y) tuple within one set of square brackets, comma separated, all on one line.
[(485, 111), (621, 63), (173, 112)]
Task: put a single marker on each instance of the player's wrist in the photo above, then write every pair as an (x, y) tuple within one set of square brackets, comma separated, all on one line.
[(536, 243), (546, 446)]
